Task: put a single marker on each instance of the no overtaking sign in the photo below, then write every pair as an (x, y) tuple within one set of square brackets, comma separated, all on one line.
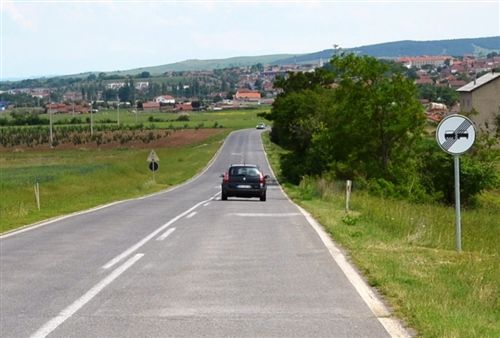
[(455, 134)]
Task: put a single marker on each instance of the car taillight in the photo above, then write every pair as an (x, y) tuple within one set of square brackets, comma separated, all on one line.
[(262, 179), (226, 178)]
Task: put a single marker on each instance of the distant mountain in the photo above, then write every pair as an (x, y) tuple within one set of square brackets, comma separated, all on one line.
[(457, 47)]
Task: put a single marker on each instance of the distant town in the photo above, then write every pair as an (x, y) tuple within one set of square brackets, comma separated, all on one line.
[(439, 79)]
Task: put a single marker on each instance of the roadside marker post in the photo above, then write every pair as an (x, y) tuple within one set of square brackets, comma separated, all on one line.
[(37, 194), (348, 188), (455, 135)]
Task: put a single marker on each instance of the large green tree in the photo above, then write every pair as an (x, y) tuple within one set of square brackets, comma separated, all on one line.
[(361, 117)]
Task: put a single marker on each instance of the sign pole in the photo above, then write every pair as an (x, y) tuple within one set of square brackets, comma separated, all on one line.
[(455, 134), (458, 224)]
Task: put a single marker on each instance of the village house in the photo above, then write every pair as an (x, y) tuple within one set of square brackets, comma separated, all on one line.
[(420, 61), (66, 108), (185, 106), (483, 96), (165, 99), (115, 85), (72, 96), (151, 105), (247, 95)]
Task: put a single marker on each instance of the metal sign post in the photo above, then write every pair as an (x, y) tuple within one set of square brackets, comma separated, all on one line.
[(458, 217), (455, 135), (153, 160)]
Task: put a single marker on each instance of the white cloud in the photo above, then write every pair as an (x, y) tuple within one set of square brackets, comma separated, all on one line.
[(19, 14)]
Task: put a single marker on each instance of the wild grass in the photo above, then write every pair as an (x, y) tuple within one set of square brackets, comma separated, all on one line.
[(72, 180), (407, 251)]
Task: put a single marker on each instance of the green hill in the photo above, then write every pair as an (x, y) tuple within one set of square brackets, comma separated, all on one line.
[(200, 65), (457, 47)]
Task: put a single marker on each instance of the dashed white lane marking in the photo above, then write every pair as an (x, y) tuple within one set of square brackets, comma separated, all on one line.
[(146, 239), (166, 234), (52, 324), (286, 214), (191, 214)]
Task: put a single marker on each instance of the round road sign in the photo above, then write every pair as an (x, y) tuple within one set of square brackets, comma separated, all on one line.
[(455, 134), (153, 166)]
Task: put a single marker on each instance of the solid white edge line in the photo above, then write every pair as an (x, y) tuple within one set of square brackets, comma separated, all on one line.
[(191, 214), (146, 239), (65, 314), (166, 234), (257, 214), (383, 315)]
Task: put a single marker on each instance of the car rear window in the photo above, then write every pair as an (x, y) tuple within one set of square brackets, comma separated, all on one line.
[(244, 171)]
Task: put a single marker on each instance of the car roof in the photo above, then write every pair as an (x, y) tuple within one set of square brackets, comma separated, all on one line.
[(245, 165)]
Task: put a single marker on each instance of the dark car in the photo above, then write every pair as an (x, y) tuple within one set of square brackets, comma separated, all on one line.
[(244, 180)]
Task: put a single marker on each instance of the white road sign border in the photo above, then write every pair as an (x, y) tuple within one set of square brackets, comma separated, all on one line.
[(461, 134)]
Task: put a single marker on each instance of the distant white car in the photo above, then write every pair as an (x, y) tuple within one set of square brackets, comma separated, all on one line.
[(261, 126)]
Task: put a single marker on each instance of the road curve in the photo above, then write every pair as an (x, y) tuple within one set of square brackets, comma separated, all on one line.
[(181, 263)]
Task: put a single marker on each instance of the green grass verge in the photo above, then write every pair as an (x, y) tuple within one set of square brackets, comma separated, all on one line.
[(407, 251), (72, 180)]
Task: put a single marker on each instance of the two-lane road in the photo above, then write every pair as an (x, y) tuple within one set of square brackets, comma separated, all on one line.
[(182, 263)]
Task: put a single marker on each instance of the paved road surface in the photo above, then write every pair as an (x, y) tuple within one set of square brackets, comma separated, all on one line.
[(183, 264)]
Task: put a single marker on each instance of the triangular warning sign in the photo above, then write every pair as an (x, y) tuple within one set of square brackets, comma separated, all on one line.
[(153, 157)]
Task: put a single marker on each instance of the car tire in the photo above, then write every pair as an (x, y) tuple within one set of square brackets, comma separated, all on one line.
[(263, 198), (223, 196)]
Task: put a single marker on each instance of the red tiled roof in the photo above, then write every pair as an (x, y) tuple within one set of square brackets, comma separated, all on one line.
[(151, 105), (247, 94)]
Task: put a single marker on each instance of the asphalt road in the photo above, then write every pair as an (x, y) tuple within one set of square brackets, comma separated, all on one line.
[(182, 263)]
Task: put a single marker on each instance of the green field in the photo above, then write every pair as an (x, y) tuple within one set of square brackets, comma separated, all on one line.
[(84, 177), (407, 251), (233, 119)]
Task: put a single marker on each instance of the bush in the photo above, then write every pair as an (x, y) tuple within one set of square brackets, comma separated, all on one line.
[(438, 178), (183, 117)]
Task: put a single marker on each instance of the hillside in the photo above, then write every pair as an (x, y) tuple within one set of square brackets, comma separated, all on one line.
[(458, 47), (199, 65)]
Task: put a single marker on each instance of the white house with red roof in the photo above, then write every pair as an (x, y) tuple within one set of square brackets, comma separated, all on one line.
[(165, 99)]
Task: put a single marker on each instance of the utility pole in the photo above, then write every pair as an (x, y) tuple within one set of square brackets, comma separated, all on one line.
[(50, 126), (118, 111), (91, 120)]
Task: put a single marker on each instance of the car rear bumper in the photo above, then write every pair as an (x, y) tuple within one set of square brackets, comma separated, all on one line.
[(243, 192)]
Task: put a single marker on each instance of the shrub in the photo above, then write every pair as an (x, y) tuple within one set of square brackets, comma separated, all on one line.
[(476, 175), (183, 117)]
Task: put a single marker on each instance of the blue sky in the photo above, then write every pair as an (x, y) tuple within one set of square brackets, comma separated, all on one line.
[(69, 37)]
